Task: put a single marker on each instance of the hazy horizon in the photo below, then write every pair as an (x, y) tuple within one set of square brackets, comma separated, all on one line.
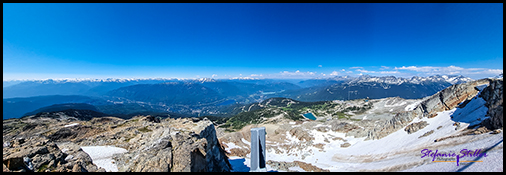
[(233, 78)]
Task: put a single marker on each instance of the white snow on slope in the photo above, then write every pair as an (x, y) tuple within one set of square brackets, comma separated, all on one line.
[(245, 141), (412, 105), (70, 125), (232, 145), (400, 149), (473, 113), (102, 156)]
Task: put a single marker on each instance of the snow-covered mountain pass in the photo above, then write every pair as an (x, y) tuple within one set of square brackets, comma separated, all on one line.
[(429, 143)]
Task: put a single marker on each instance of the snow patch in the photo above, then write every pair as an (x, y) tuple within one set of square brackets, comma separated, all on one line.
[(412, 105), (70, 125), (102, 156), (231, 146), (245, 141)]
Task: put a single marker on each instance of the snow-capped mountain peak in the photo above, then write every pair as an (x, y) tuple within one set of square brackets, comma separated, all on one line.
[(203, 80), (452, 79), (244, 78)]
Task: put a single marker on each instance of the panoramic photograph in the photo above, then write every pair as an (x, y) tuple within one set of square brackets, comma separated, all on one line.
[(253, 87)]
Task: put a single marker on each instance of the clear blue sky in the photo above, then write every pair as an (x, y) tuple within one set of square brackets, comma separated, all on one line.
[(43, 41)]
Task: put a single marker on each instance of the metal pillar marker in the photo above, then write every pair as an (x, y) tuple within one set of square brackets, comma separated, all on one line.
[(257, 150)]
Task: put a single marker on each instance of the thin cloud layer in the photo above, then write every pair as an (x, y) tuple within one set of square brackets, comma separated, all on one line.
[(404, 71), (474, 73)]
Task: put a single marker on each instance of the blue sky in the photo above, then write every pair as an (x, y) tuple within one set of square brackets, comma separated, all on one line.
[(43, 41)]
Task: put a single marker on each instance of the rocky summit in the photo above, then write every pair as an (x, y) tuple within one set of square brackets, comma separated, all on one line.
[(387, 134), (62, 143)]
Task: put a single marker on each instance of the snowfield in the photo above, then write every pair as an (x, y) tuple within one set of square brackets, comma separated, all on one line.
[(102, 156), (399, 151)]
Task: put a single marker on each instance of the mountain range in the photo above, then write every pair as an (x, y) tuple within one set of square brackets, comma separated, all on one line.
[(206, 96), (384, 134), (347, 88)]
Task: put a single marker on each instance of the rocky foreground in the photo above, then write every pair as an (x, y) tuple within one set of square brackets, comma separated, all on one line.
[(54, 142), (386, 135)]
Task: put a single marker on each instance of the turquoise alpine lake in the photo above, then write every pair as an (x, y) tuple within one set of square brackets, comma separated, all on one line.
[(309, 116)]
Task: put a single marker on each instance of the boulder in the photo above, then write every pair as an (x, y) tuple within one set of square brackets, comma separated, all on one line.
[(14, 163), (299, 133), (345, 145), (179, 146), (412, 128), (150, 118), (46, 156), (63, 133)]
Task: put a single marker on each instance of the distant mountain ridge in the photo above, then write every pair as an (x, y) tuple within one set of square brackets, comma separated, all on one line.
[(88, 87), (452, 79), (17, 107), (207, 96), (98, 87), (168, 93), (366, 86), (62, 107)]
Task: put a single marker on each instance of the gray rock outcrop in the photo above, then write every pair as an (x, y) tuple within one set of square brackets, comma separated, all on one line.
[(493, 95), (33, 155), (446, 99), (41, 144), (192, 147), (450, 97)]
